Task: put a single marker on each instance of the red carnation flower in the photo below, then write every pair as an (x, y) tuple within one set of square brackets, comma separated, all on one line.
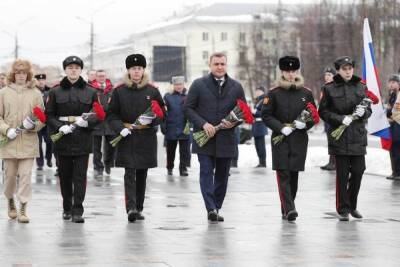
[(98, 109), (39, 114), (155, 107), (314, 112), (372, 96)]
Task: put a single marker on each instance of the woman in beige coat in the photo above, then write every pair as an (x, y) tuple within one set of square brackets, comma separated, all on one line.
[(17, 101)]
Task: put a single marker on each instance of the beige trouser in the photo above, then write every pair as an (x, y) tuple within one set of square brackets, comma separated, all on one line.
[(22, 168)]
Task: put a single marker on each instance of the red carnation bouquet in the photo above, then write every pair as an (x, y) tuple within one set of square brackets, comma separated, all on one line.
[(152, 112), (310, 113), (37, 115), (370, 98), (241, 112), (97, 110)]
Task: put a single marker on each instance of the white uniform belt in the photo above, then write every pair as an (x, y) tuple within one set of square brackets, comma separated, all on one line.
[(71, 119), (258, 119)]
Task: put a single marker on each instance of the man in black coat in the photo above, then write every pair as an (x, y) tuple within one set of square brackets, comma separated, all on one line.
[(137, 151), (65, 106), (258, 129), (43, 134), (209, 101), (394, 86), (281, 108), (104, 90), (340, 101)]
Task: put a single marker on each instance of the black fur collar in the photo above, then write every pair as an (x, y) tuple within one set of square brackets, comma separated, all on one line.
[(339, 80), (65, 83)]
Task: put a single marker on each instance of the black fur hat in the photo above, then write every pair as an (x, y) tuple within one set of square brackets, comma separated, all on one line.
[(289, 63), (72, 60), (339, 62), (135, 60)]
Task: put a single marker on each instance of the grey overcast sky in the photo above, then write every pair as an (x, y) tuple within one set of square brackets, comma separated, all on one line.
[(49, 30)]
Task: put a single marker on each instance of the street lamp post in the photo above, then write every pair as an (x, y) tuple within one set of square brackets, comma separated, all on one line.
[(91, 23)]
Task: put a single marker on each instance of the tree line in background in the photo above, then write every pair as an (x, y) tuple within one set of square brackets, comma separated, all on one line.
[(320, 33)]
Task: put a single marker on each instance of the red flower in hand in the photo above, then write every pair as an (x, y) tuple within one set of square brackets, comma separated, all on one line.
[(39, 114), (314, 112), (155, 107), (372, 96), (98, 109), (247, 115)]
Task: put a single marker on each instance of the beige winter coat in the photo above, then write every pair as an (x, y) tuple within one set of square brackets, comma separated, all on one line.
[(16, 103)]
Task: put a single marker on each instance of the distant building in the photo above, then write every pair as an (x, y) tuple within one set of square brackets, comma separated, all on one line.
[(183, 45)]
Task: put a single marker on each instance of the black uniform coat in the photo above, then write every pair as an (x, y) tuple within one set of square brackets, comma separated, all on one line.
[(283, 105), (206, 102), (69, 99), (139, 149), (340, 98)]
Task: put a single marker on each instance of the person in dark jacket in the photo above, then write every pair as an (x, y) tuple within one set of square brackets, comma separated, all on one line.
[(282, 107), (209, 101), (137, 151), (43, 134), (175, 123), (394, 86), (104, 90), (329, 72), (65, 106), (259, 129), (340, 100)]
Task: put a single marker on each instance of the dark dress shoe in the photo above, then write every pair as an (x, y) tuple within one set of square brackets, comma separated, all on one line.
[(40, 168), (49, 164), (343, 217), (67, 215), (107, 170), (284, 217), (169, 171), (356, 214), (292, 215), (56, 173), (77, 219), (139, 216), (132, 215), (213, 216), (183, 173), (220, 218)]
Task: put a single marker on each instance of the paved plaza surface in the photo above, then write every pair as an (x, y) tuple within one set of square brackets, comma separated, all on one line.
[(176, 232)]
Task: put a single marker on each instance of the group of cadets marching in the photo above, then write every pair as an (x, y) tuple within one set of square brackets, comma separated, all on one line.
[(201, 107)]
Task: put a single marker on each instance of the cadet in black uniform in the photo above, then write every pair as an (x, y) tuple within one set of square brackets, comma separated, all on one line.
[(340, 99), (137, 151), (282, 106), (65, 105)]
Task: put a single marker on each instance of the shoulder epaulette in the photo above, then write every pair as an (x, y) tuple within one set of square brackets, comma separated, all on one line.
[(119, 85), (153, 85), (307, 88), (56, 85), (363, 82), (273, 88)]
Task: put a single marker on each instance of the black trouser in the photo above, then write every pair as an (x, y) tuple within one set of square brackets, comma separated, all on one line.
[(72, 173), (347, 187), (135, 188), (395, 158), (108, 150), (184, 153), (287, 185), (43, 134), (259, 142)]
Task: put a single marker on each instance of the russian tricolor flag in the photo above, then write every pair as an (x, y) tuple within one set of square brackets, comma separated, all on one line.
[(378, 124)]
